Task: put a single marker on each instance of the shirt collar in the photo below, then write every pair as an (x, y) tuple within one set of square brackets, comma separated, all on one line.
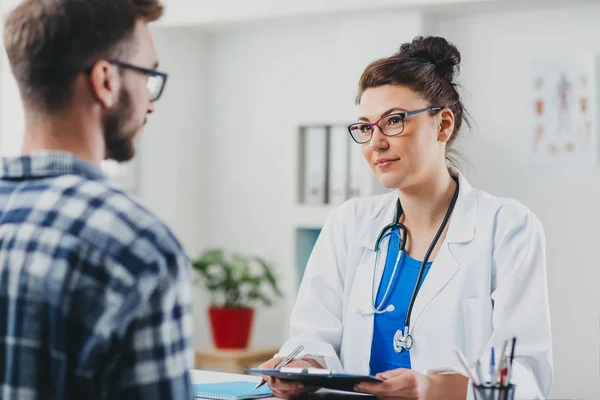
[(46, 164)]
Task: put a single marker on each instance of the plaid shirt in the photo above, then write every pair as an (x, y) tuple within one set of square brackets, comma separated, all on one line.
[(95, 299)]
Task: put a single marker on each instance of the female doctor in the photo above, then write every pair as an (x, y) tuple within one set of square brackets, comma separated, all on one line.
[(396, 282)]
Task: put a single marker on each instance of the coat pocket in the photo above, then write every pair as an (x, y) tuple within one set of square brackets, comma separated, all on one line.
[(477, 314)]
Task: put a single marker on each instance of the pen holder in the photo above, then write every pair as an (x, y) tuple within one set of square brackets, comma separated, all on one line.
[(489, 392)]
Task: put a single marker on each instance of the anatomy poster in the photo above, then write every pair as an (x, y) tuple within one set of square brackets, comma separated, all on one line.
[(564, 110)]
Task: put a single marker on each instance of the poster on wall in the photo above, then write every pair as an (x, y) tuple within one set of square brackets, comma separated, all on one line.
[(564, 109)]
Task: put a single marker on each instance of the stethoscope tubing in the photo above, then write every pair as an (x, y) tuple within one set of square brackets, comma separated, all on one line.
[(401, 245)]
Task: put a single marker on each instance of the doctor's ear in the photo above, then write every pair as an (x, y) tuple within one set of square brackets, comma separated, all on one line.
[(445, 125)]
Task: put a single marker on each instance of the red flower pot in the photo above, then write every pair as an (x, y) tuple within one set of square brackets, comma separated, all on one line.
[(230, 327)]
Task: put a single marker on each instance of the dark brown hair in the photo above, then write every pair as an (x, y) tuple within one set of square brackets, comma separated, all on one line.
[(428, 66), (50, 42)]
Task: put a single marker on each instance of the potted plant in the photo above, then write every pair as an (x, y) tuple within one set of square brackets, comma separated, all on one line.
[(235, 282)]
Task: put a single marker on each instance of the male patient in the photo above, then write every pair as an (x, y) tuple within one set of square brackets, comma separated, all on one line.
[(94, 290)]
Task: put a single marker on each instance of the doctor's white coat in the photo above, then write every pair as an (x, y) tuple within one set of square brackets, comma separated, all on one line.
[(486, 284)]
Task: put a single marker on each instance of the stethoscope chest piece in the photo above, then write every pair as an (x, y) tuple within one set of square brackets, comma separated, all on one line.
[(402, 341)]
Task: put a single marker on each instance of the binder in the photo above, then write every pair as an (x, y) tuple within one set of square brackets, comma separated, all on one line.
[(357, 165), (238, 390), (317, 377), (338, 165), (315, 165)]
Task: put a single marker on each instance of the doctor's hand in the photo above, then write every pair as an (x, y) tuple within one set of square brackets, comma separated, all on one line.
[(407, 384), (398, 384), (287, 389)]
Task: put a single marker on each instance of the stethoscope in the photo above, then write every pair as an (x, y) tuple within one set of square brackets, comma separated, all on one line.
[(403, 340)]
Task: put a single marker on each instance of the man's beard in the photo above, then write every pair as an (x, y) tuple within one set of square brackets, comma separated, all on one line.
[(120, 130)]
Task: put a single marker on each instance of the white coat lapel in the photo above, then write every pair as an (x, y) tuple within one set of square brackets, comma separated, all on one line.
[(382, 215), (441, 272), (445, 266)]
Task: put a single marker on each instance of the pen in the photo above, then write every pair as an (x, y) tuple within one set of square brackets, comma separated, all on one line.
[(512, 356), (504, 372), (497, 375), (492, 369), (282, 363)]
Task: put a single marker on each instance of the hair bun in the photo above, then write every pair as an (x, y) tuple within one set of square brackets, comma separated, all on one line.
[(436, 50)]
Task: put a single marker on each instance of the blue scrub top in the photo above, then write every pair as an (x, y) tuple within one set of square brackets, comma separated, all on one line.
[(383, 355)]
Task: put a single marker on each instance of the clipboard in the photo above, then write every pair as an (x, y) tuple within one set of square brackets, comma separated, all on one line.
[(321, 378)]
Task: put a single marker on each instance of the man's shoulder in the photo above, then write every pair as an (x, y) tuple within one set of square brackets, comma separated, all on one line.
[(110, 216)]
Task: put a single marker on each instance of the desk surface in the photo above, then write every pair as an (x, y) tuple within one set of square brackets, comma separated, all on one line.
[(265, 352), (233, 361), (200, 376)]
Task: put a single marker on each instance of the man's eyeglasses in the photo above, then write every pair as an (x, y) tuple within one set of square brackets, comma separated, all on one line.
[(389, 125), (156, 80)]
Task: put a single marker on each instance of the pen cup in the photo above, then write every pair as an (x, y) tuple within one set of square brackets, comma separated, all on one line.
[(489, 392)]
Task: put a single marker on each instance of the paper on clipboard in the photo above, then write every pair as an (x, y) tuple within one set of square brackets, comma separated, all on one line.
[(321, 378)]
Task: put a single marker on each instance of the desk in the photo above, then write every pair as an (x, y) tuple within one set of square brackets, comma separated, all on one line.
[(323, 394), (199, 376), (233, 361)]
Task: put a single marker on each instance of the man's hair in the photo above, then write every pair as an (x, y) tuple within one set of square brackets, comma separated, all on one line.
[(50, 42)]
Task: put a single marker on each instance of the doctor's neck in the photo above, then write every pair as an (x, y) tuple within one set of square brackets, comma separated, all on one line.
[(425, 204)]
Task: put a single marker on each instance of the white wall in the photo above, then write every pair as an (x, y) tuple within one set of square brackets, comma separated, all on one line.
[(212, 13), (266, 80), (12, 123), (173, 149), (496, 47)]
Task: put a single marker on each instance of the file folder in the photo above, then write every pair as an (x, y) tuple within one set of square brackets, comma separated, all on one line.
[(357, 166), (315, 165), (338, 164)]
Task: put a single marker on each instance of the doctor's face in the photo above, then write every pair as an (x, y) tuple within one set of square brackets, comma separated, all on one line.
[(405, 159)]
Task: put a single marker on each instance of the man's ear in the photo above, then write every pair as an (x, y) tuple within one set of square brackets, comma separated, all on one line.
[(445, 125), (105, 83)]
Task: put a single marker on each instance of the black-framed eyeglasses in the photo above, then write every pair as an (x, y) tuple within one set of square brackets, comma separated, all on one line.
[(391, 125), (156, 80)]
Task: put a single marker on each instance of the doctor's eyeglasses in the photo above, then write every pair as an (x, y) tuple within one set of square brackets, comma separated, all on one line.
[(389, 125)]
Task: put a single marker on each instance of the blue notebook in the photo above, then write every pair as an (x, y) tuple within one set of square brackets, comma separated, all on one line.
[(238, 390)]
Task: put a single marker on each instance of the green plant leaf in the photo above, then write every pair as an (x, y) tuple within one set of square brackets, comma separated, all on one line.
[(268, 275), (231, 281), (259, 296)]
